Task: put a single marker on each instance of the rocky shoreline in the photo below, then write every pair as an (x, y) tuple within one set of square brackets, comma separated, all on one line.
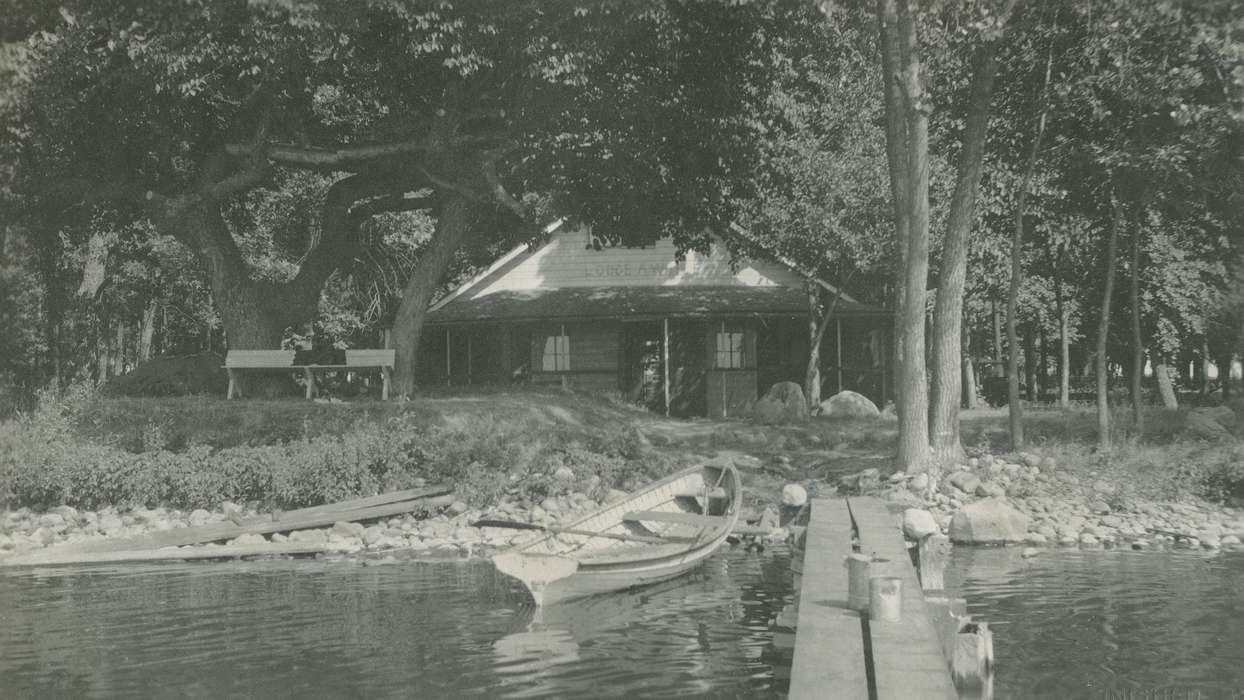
[(447, 533), (1022, 499), (1026, 499)]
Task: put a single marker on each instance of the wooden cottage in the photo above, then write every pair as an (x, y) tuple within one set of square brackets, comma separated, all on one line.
[(691, 337)]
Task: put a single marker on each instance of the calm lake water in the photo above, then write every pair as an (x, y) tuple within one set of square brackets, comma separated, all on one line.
[(1118, 624), (401, 629), (1067, 624)]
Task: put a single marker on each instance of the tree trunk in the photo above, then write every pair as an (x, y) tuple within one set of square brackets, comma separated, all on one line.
[(103, 360), (452, 230), (1204, 386), (1064, 349), (947, 381), (1103, 328), (997, 332), (1165, 388), (118, 350), (1138, 348), (1030, 363), (1224, 374), (913, 416), (896, 147), (816, 335), (148, 331), (969, 374), (812, 373)]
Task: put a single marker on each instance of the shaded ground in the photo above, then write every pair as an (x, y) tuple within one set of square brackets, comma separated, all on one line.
[(815, 453)]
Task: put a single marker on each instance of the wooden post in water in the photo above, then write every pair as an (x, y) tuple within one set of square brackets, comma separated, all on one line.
[(971, 665), (932, 561)]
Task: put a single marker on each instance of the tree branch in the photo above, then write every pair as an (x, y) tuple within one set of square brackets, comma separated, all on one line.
[(346, 157), (390, 203)]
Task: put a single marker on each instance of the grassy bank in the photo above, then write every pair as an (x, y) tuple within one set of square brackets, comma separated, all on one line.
[(84, 450)]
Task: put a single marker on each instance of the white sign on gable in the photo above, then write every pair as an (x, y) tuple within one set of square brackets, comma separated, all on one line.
[(574, 259)]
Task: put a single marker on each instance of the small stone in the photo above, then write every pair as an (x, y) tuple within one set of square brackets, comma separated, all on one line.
[(1103, 487), (345, 529), (564, 473), (537, 514), (1229, 540), (1068, 541), (918, 523), (989, 488), (615, 495), (973, 462), (794, 495), (551, 505), (1031, 460), (918, 483), (458, 507), (249, 539), (229, 507), (1099, 507), (1113, 521), (279, 537), (1088, 540), (42, 536), (966, 482), (1035, 538), (309, 536), (1029, 552), (198, 516), (51, 520), (69, 513)]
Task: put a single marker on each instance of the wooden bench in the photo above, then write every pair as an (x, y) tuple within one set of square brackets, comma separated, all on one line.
[(284, 359)]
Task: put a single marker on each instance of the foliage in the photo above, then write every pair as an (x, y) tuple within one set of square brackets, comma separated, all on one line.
[(48, 457)]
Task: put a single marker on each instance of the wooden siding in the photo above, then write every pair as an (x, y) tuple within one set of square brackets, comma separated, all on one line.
[(729, 390)]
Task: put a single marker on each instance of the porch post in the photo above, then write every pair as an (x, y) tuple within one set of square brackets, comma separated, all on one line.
[(448, 365), (665, 360), (470, 366), (838, 351)]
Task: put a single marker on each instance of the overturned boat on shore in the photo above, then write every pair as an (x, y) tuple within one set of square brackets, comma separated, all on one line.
[(654, 534)]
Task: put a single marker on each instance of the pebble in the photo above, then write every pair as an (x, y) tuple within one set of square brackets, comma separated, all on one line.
[(1030, 552)]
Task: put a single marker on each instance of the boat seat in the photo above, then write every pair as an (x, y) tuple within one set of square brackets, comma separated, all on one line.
[(662, 516), (717, 493)]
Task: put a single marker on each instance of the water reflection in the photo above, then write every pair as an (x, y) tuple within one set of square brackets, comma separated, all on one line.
[(1071, 624), (407, 629)]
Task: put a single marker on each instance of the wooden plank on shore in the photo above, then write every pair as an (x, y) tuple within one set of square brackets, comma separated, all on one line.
[(908, 661), (829, 641), (368, 501), (51, 557), (316, 516)]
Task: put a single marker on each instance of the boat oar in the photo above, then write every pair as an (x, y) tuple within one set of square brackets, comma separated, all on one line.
[(514, 525)]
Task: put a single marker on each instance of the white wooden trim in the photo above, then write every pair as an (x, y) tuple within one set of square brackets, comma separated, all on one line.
[(794, 267), (496, 265)]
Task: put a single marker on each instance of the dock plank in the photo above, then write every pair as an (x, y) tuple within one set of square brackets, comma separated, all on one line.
[(829, 642), (907, 655)]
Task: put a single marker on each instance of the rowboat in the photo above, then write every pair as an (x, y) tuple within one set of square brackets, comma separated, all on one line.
[(661, 531)]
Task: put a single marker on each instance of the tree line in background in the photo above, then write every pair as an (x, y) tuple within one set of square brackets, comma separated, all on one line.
[(1054, 182)]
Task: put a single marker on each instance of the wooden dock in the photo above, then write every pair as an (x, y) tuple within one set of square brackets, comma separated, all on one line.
[(839, 652)]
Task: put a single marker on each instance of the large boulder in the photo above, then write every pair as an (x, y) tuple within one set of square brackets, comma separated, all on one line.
[(919, 523), (988, 521), (782, 403), (849, 404)]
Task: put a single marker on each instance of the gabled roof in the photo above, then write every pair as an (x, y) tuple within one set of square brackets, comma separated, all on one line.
[(572, 276), (636, 303)]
